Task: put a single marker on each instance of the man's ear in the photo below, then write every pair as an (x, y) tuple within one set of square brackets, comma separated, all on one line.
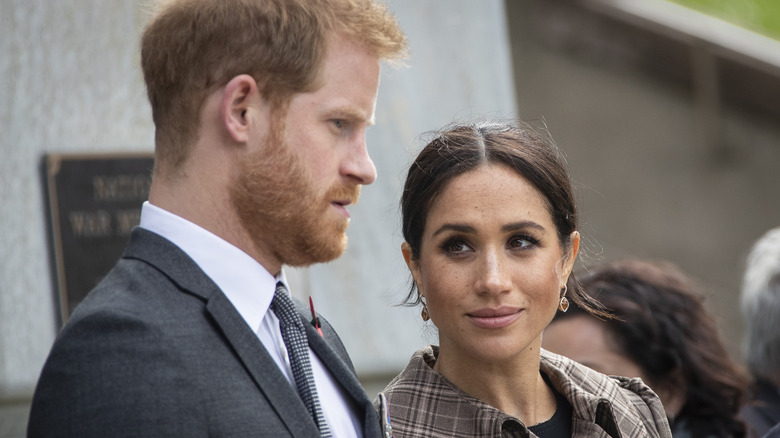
[(239, 98)]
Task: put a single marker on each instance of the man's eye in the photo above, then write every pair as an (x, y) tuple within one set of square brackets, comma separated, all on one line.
[(338, 123)]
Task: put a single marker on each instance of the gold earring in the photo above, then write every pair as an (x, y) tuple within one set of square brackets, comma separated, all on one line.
[(424, 312), (563, 305)]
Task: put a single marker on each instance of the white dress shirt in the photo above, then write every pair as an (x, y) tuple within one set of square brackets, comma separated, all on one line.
[(250, 288)]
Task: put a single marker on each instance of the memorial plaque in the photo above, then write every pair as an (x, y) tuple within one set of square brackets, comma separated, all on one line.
[(94, 201)]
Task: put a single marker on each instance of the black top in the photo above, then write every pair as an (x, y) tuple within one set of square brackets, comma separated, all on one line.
[(559, 425)]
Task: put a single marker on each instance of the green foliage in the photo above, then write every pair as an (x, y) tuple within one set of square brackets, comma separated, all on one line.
[(762, 16)]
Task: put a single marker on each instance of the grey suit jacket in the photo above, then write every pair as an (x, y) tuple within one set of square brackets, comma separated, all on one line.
[(157, 350)]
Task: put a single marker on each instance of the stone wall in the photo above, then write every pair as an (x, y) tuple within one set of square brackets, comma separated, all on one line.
[(71, 84)]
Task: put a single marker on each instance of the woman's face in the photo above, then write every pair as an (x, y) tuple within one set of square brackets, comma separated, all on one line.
[(490, 266), (586, 340)]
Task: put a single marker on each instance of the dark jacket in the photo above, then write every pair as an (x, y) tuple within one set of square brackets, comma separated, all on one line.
[(762, 410), (157, 350)]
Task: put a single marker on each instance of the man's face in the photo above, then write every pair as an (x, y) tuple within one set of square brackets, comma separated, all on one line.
[(292, 194)]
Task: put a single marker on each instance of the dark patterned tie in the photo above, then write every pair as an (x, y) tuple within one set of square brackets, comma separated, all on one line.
[(294, 337)]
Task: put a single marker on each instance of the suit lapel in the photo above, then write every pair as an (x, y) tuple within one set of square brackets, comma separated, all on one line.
[(182, 270), (345, 375), (274, 385)]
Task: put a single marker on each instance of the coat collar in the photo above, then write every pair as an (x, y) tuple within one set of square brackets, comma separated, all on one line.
[(157, 251), (343, 372), (600, 400)]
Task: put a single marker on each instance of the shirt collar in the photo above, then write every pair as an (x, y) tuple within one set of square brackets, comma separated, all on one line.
[(244, 281)]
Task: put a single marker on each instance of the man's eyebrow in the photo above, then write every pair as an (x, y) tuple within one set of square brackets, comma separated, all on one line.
[(350, 113)]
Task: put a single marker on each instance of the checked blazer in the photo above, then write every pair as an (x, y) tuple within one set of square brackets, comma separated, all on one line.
[(424, 404)]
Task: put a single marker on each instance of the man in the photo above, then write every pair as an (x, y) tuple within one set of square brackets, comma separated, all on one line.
[(260, 109), (760, 300)]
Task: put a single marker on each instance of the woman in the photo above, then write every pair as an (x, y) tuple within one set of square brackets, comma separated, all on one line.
[(491, 237), (660, 332)]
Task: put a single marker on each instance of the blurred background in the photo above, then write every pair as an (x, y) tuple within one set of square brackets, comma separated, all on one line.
[(668, 113)]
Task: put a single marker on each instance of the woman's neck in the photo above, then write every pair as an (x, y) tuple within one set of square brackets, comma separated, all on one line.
[(515, 387)]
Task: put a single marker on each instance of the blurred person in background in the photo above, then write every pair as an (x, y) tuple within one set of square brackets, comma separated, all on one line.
[(761, 312), (662, 333)]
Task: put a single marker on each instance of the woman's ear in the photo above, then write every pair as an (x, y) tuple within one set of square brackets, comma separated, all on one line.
[(411, 263), (571, 255), (239, 98)]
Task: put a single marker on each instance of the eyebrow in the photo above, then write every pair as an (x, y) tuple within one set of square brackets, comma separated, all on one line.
[(352, 114), (514, 226), (454, 227), (521, 225)]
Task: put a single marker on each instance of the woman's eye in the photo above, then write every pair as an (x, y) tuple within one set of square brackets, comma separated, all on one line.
[(455, 247), (522, 242), (458, 247)]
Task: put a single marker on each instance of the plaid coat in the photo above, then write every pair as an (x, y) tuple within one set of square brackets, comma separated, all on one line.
[(423, 403)]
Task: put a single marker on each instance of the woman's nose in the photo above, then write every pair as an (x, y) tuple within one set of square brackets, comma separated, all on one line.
[(493, 278)]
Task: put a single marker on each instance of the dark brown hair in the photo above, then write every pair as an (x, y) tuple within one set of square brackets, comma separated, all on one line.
[(661, 323), (192, 47), (524, 148)]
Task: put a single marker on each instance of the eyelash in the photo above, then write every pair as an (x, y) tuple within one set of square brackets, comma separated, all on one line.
[(534, 242), (340, 124), (447, 245)]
